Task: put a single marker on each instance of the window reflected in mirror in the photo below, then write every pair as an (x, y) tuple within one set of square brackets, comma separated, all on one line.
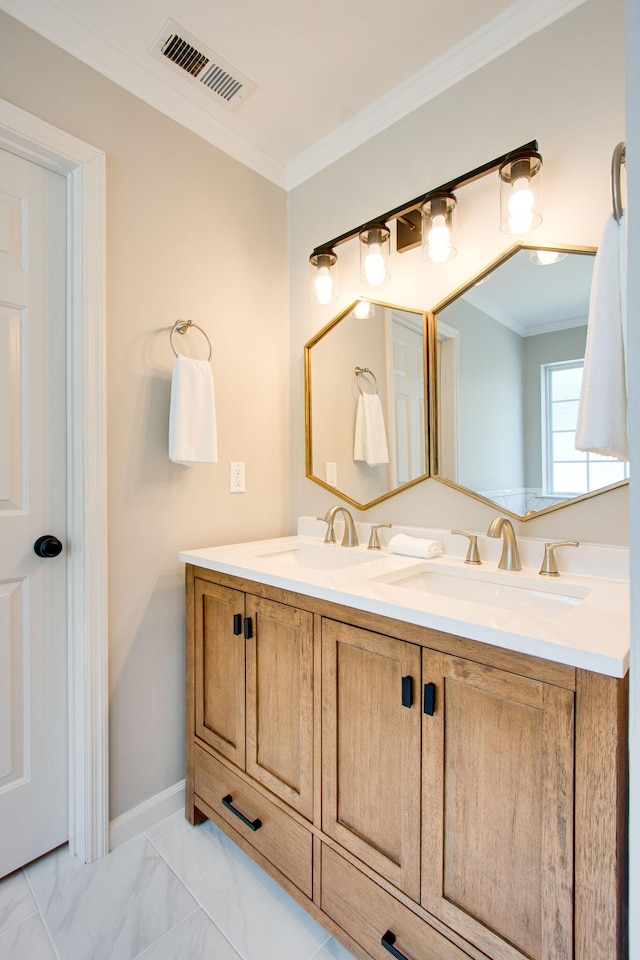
[(365, 402), (509, 352)]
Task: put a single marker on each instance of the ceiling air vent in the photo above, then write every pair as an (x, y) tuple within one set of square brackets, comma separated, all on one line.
[(200, 65)]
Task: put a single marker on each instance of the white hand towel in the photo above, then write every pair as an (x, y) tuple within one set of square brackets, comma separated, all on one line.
[(370, 440), (192, 416), (602, 411), (415, 546)]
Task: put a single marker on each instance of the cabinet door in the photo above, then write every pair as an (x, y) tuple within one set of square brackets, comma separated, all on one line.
[(371, 750), (219, 669), (280, 701), (498, 809)]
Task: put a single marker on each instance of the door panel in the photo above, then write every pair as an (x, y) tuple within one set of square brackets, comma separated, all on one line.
[(220, 664), (280, 701), (371, 750), (498, 796), (33, 614)]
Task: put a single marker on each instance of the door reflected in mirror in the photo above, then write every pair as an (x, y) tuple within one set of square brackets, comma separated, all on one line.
[(509, 350), (365, 402)]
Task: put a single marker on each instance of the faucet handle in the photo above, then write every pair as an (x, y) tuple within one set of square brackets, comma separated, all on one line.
[(330, 536), (473, 554), (374, 542), (549, 566)]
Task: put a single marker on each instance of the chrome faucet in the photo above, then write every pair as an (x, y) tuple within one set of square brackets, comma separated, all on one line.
[(350, 537), (502, 527)]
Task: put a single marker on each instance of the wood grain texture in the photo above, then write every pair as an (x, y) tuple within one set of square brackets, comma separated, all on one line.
[(279, 719), (371, 750), (219, 670), (601, 825), (497, 809), (283, 842), (366, 912)]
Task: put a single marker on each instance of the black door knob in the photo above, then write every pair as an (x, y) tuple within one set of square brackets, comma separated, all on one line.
[(47, 546)]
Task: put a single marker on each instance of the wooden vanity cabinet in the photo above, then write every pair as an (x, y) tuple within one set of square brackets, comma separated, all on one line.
[(417, 792)]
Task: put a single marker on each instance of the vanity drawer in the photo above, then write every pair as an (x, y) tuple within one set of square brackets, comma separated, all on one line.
[(367, 912), (275, 835)]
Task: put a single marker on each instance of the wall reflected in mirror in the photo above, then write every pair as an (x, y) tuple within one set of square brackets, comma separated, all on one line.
[(366, 431), (509, 350)]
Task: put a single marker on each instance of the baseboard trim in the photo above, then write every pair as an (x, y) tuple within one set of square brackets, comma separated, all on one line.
[(146, 815)]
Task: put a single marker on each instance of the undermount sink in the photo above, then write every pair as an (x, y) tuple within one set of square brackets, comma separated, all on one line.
[(323, 558), (526, 595)]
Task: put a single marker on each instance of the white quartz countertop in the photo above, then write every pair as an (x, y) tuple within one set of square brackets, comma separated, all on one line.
[(575, 619)]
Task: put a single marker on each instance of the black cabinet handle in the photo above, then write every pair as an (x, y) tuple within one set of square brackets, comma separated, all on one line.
[(407, 691), (388, 941), (252, 824), (237, 624), (429, 699), (248, 628)]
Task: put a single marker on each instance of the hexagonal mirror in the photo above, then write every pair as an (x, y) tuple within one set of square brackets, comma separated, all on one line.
[(508, 351), (365, 376)]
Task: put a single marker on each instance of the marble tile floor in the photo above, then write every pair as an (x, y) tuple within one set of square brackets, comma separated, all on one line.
[(176, 892)]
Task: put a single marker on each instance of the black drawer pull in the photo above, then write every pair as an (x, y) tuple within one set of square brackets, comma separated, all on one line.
[(429, 699), (407, 691), (388, 941), (248, 628), (252, 824), (237, 624)]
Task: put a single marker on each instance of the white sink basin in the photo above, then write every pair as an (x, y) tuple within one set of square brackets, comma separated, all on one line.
[(327, 557), (508, 591)]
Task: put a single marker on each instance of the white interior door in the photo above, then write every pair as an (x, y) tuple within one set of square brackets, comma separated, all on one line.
[(407, 404), (33, 590)]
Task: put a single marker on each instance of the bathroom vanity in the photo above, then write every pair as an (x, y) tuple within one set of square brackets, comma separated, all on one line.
[(433, 777)]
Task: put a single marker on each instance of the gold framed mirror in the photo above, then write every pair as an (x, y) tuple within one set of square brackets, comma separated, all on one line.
[(506, 355), (365, 402)]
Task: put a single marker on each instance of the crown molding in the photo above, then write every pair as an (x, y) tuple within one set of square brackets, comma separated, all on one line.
[(519, 21), (72, 35)]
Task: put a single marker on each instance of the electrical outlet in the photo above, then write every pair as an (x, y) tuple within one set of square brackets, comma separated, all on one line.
[(236, 478), (331, 474)]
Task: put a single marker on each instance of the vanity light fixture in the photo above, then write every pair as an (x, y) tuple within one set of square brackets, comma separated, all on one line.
[(544, 258), (430, 221), (439, 227), (520, 192), (323, 263), (374, 253)]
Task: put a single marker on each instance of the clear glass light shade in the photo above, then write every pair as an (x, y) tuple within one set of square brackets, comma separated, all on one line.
[(439, 215), (374, 254), (521, 194), (323, 276)]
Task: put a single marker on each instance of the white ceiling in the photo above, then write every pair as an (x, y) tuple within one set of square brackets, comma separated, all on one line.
[(531, 299), (329, 75)]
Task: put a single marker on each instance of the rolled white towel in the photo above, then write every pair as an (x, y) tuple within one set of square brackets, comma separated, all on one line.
[(415, 546)]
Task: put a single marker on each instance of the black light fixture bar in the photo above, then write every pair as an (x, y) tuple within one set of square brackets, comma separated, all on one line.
[(407, 208)]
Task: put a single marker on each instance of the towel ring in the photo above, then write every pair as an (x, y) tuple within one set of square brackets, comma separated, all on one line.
[(181, 326), (361, 371), (619, 157)]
